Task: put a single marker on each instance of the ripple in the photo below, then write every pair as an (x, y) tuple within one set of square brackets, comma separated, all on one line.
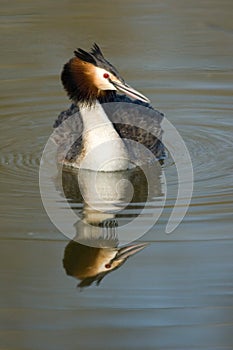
[(20, 169), (208, 137), (210, 145), (211, 153), (210, 149), (22, 143), (20, 161)]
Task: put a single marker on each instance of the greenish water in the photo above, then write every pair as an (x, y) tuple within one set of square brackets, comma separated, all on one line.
[(177, 292)]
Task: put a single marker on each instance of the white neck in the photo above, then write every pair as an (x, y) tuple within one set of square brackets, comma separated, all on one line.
[(103, 149)]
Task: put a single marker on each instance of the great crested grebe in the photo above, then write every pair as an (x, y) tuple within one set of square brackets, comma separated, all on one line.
[(95, 127)]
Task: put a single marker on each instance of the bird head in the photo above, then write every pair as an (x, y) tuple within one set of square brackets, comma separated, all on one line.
[(88, 76)]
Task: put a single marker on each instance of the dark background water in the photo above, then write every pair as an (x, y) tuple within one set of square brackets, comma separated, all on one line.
[(177, 293)]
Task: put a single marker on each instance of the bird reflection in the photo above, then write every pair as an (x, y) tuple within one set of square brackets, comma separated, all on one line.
[(95, 251), (91, 264)]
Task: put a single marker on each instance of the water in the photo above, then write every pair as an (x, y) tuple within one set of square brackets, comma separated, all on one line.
[(177, 292)]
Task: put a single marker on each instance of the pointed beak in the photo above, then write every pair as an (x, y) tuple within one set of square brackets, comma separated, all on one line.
[(128, 90), (126, 252)]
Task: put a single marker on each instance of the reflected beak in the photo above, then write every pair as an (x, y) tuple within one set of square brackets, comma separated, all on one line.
[(126, 252), (128, 90)]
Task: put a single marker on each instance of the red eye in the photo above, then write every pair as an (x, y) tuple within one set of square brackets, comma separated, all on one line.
[(108, 266), (106, 75)]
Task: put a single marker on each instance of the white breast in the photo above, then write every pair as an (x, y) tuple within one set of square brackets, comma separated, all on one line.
[(103, 149)]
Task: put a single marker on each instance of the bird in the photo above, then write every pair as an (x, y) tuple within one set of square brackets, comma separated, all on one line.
[(91, 264), (105, 117)]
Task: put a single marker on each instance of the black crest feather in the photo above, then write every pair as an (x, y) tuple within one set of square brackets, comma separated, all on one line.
[(85, 56), (91, 56), (95, 50)]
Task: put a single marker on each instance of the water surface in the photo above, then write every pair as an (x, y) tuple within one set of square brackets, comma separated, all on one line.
[(177, 292)]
